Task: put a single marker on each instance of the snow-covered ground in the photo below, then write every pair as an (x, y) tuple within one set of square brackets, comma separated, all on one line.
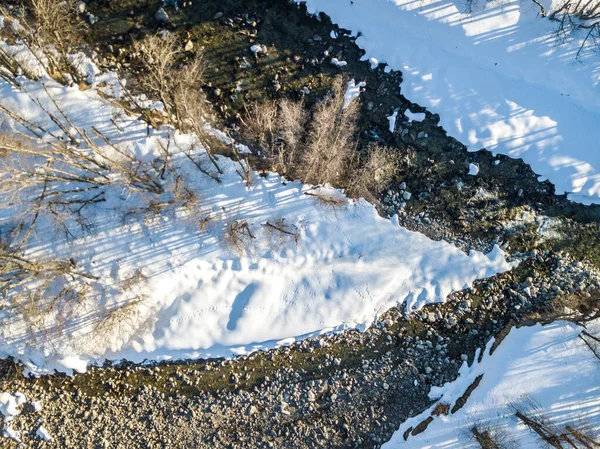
[(196, 296), (498, 78), (547, 365)]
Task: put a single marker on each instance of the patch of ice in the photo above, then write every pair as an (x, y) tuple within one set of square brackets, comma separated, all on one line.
[(10, 408), (9, 432), (37, 406), (9, 405)]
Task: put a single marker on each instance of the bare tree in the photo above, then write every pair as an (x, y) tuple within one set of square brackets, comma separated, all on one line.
[(530, 413), (578, 15), (176, 83), (331, 141), (279, 131)]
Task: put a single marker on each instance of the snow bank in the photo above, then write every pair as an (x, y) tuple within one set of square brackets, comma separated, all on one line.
[(498, 78), (197, 297), (548, 364)]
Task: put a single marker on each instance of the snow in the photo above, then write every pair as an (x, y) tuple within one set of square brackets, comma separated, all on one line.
[(9, 432), (199, 297), (74, 362), (336, 62), (473, 169), (374, 63), (9, 404), (499, 78), (37, 406), (414, 116), (353, 91), (43, 433), (547, 364), (10, 408), (392, 120)]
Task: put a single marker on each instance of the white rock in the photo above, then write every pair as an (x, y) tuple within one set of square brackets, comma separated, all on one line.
[(258, 49), (336, 62), (473, 169), (161, 15)]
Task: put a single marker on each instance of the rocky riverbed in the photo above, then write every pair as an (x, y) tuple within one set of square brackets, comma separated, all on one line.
[(349, 389)]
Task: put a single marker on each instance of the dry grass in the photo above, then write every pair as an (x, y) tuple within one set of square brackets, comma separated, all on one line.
[(331, 143), (278, 131), (119, 323), (319, 149), (376, 172)]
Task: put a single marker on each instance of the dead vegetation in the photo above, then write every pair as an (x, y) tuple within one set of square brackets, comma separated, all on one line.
[(493, 437), (279, 232), (238, 236), (320, 147), (578, 16), (328, 200), (39, 289), (174, 79), (569, 436), (51, 30), (592, 342)]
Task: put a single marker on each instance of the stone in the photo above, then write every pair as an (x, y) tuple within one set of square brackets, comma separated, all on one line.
[(161, 15), (189, 46)]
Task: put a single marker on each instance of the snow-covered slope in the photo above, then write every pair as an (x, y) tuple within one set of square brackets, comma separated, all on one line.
[(499, 78), (545, 365), (196, 296)]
